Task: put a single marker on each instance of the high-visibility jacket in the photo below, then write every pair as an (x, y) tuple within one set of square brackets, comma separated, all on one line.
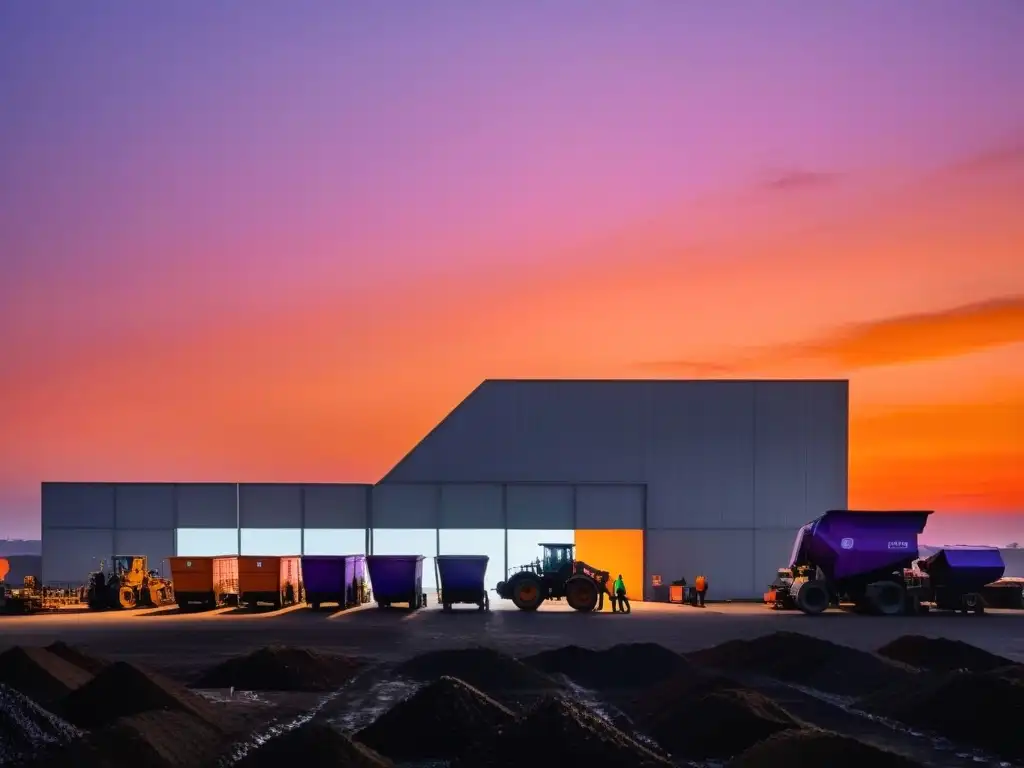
[(620, 586), (701, 584)]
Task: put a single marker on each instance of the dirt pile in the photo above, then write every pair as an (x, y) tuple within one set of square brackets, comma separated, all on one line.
[(489, 670), (813, 748), (25, 727), (557, 733), (964, 707), (157, 739), (717, 723), (312, 745), (122, 690), (38, 674), (942, 655), (281, 669), (437, 722), (631, 665), (75, 655), (808, 661)]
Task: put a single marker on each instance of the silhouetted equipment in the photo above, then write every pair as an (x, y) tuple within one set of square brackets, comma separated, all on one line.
[(128, 584), (556, 575)]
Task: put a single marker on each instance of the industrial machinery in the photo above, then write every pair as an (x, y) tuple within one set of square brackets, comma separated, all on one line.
[(128, 584), (556, 575), (26, 599), (870, 559)]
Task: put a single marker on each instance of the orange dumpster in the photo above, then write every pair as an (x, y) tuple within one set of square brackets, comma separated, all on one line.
[(272, 579), (205, 582)]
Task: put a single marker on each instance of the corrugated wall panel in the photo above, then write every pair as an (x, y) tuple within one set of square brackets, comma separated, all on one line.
[(772, 549), (540, 507), (144, 505), (77, 505), (22, 566), (400, 505), (828, 442), (781, 454), (157, 546), (478, 505), (207, 505), (332, 506), (69, 555), (609, 507), (725, 557), (700, 472), (266, 505)]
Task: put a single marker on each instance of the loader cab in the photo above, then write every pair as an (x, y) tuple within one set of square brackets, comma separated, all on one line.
[(556, 558)]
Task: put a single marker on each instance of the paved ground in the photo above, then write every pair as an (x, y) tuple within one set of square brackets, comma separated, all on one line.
[(182, 644)]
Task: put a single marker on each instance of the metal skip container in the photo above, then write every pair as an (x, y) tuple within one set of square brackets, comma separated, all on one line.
[(270, 579), (339, 579), (397, 579), (462, 580), (205, 582)]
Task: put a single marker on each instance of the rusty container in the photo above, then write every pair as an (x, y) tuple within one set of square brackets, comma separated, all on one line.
[(270, 579)]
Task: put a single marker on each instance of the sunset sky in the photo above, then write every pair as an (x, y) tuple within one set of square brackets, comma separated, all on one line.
[(279, 241)]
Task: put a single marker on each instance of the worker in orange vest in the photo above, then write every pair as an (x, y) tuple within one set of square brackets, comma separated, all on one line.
[(701, 587)]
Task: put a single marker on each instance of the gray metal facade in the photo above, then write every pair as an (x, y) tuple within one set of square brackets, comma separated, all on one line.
[(718, 474)]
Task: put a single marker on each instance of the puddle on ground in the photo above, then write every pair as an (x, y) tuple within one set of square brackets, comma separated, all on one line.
[(362, 708)]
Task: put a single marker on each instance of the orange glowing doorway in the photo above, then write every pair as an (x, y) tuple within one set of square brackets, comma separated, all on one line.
[(620, 551)]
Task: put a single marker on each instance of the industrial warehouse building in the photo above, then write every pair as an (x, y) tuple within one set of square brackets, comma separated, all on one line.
[(651, 479)]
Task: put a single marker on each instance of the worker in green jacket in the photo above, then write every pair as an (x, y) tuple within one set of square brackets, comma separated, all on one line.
[(620, 603)]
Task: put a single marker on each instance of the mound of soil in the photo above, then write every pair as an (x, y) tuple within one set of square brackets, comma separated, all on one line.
[(557, 732), (718, 724), (437, 722), (482, 668), (37, 673), (75, 655), (965, 707), (281, 669), (941, 655), (25, 727), (631, 665), (808, 661), (122, 690), (313, 744), (813, 748), (158, 739)]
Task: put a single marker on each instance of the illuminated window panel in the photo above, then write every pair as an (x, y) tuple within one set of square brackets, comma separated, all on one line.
[(618, 552), (335, 541), (206, 542), (524, 545), (409, 541), (271, 541), (488, 541)]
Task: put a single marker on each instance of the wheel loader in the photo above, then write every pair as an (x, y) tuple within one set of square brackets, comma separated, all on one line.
[(555, 575), (129, 583)]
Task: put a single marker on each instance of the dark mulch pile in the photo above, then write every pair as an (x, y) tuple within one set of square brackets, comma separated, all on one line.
[(282, 669), (38, 674), (557, 733), (74, 654), (437, 722), (489, 670), (975, 708), (717, 724), (813, 748), (25, 727), (311, 746), (122, 690), (632, 665), (167, 739), (942, 655), (808, 661)]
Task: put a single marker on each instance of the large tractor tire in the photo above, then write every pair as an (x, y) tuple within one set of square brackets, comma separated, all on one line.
[(811, 597), (526, 593), (126, 597), (886, 598), (581, 593)]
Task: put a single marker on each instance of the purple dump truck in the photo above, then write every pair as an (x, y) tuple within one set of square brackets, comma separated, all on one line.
[(397, 579), (339, 579), (461, 579), (868, 559)]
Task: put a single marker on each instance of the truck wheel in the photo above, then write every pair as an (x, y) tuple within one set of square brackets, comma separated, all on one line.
[(811, 597), (887, 598), (526, 593), (581, 593)]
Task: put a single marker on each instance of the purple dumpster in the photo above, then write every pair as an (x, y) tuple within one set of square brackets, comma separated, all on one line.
[(337, 579), (461, 579), (397, 579)]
